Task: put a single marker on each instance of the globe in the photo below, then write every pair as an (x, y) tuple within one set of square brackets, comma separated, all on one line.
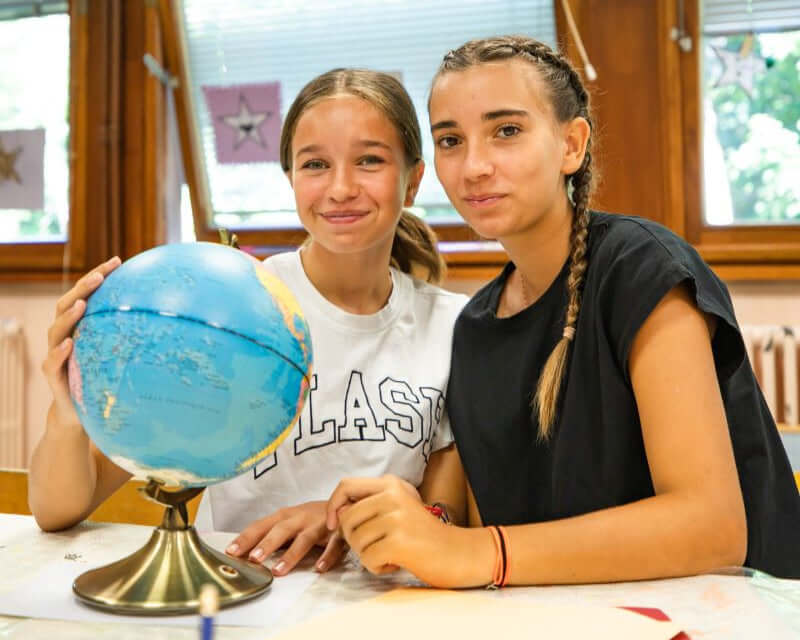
[(190, 365)]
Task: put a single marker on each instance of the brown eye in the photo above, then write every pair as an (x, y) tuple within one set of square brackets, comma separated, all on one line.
[(370, 160), (447, 142), (508, 131)]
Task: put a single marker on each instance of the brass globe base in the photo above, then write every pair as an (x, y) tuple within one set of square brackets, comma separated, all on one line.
[(165, 576)]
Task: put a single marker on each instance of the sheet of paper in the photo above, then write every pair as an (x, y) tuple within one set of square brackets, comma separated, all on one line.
[(415, 613), (38, 570)]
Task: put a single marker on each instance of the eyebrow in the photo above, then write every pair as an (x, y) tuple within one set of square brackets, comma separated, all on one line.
[(315, 148), (504, 113), (486, 117)]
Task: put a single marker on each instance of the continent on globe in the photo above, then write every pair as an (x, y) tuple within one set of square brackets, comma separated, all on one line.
[(191, 364)]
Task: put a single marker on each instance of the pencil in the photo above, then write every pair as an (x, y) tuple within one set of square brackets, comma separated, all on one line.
[(209, 605)]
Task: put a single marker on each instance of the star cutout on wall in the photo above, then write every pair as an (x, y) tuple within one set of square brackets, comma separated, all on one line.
[(246, 123), (7, 161), (739, 69)]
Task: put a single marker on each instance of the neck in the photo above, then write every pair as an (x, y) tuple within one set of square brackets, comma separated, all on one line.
[(355, 282), (540, 251)]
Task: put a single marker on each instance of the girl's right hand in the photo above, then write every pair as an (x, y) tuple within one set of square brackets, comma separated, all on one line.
[(69, 310)]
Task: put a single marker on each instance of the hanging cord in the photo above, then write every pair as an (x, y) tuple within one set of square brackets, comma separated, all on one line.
[(591, 74)]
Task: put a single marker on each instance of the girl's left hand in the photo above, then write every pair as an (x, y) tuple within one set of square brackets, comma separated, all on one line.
[(385, 522)]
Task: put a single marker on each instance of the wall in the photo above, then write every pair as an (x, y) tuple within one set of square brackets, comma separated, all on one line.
[(34, 305)]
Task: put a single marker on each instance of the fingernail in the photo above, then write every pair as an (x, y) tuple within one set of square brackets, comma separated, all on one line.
[(114, 259), (257, 555), (278, 568), (322, 565), (232, 549), (64, 344)]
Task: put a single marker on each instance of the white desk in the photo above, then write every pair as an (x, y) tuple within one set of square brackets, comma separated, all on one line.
[(707, 607)]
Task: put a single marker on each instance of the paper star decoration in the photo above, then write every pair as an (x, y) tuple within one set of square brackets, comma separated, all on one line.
[(246, 123), (739, 69), (7, 161)]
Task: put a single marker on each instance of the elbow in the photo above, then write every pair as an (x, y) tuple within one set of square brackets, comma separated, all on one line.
[(50, 524), (50, 521), (729, 535), (736, 547)]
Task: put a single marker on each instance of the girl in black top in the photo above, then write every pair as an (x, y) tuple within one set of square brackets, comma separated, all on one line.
[(601, 398)]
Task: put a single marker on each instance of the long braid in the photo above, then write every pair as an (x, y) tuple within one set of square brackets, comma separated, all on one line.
[(570, 100)]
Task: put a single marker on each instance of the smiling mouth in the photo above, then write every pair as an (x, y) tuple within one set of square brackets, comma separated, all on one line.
[(486, 200), (343, 217)]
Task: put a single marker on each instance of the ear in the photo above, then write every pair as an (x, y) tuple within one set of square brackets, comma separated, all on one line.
[(576, 137), (414, 178)]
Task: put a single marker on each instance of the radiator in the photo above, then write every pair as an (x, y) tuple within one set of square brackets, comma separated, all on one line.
[(12, 395), (773, 352)]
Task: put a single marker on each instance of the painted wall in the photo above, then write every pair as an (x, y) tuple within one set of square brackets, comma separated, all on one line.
[(34, 306)]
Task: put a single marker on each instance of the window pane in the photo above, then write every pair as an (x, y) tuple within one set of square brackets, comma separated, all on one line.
[(34, 90), (751, 123), (252, 41)]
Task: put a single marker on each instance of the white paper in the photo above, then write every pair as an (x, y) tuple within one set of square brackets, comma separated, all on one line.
[(38, 570)]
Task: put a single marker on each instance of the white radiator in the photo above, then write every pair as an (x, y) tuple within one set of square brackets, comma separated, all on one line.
[(773, 352), (12, 395)]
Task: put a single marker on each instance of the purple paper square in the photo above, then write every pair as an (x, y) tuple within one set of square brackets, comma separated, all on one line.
[(22, 169), (246, 121)]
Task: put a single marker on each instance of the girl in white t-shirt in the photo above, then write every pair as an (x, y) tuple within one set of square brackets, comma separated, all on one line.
[(352, 149)]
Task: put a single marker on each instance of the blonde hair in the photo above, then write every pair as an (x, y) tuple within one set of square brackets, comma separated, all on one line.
[(414, 249), (569, 99)]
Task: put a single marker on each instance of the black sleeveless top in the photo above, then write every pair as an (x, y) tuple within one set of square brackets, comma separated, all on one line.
[(596, 458)]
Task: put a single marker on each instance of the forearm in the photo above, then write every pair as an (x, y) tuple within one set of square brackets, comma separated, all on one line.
[(663, 536), (62, 477), (444, 483)]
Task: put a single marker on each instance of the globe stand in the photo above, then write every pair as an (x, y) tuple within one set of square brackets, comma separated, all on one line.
[(165, 576)]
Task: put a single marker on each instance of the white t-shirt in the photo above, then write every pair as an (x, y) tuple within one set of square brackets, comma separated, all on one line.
[(375, 406)]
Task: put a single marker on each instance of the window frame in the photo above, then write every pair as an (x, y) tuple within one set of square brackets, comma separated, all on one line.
[(117, 147), (37, 260), (738, 252)]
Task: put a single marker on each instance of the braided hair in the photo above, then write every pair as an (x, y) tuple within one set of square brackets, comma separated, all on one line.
[(570, 100)]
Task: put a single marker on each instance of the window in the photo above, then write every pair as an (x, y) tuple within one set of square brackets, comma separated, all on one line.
[(750, 58), (254, 41), (34, 109)]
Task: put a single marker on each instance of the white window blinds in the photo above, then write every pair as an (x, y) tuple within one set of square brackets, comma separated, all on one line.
[(251, 41), (721, 17), (13, 9)]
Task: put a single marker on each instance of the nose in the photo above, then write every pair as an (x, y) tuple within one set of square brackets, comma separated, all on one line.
[(477, 162), (344, 185)]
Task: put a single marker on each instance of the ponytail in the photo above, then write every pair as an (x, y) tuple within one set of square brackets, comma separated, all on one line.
[(415, 248)]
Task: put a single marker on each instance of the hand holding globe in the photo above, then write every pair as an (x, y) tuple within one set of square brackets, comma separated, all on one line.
[(190, 364), (187, 366)]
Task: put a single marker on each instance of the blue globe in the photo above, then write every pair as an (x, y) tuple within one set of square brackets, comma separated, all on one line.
[(191, 364)]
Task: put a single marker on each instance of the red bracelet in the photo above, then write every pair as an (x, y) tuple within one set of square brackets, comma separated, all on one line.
[(438, 510)]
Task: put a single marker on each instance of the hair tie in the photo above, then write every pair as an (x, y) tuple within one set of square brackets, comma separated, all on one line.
[(569, 333)]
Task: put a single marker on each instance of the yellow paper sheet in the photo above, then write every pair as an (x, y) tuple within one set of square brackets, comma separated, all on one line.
[(428, 613)]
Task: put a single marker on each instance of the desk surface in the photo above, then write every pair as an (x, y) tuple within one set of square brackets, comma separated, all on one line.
[(707, 607)]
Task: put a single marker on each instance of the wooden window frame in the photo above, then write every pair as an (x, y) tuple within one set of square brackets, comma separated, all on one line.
[(118, 142), (739, 252), (671, 162), (37, 260)]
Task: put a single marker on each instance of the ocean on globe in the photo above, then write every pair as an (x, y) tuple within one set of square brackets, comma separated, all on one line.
[(191, 364)]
